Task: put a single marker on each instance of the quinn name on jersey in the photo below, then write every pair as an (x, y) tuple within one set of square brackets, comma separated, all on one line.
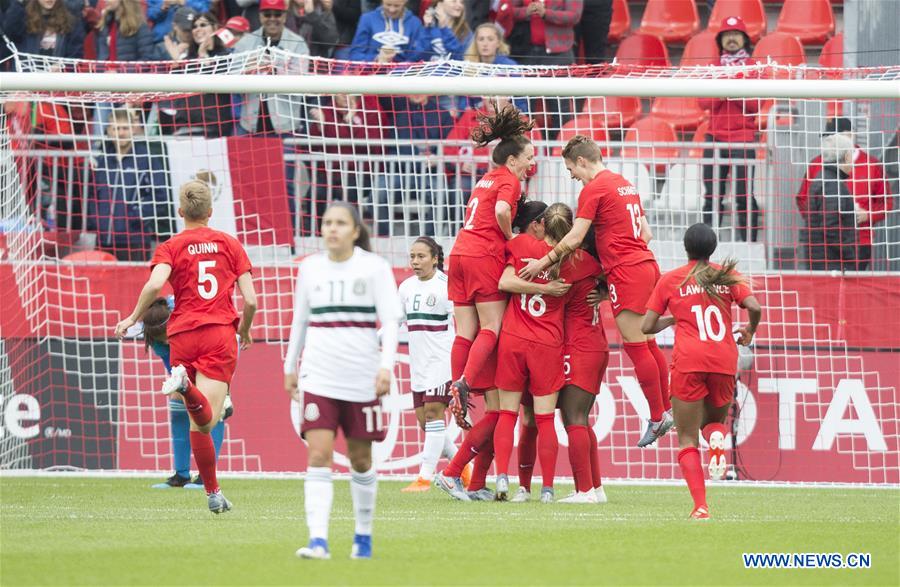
[(431, 332)]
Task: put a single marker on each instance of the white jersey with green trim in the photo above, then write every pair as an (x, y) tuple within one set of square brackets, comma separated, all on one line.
[(429, 319), (337, 306)]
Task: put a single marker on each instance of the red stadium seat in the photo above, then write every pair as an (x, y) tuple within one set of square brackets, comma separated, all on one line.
[(582, 125), (650, 130), (699, 137), (811, 21), (90, 257), (781, 47), (751, 11), (832, 54), (673, 21), (620, 24), (683, 113), (614, 111), (701, 50), (643, 50)]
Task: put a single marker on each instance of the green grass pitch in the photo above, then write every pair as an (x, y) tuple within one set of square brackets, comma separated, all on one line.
[(118, 531)]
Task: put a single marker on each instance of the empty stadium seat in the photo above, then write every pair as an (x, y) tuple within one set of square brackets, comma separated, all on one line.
[(620, 25), (90, 257), (683, 189), (643, 50), (832, 54), (701, 50), (615, 111), (673, 21), (683, 113), (649, 131), (639, 177), (699, 137), (751, 11), (781, 47), (811, 21), (582, 125)]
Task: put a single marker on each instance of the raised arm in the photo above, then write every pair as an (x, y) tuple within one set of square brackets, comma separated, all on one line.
[(149, 292), (245, 285), (569, 243)]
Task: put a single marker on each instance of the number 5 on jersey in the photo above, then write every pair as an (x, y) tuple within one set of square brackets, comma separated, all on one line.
[(207, 284)]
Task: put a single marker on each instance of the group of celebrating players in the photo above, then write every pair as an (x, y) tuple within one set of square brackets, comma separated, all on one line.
[(524, 285)]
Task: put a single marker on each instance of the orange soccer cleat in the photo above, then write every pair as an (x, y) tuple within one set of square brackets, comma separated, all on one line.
[(466, 475), (700, 513), (418, 486)]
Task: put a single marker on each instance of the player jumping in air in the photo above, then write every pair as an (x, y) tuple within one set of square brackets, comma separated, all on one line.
[(612, 206), (699, 296), (202, 265), (340, 295)]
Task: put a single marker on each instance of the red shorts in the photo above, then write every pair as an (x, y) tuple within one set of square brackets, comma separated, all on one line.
[(528, 365), (472, 280), (630, 286), (484, 379), (716, 389), (358, 420), (438, 395), (585, 370), (211, 350)]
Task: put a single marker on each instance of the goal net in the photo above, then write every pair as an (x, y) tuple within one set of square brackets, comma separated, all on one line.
[(88, 188)]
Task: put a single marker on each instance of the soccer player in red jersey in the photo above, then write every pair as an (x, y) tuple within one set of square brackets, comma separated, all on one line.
[(610, 205), (704, 363), (478, 255), (202, 266), (530, 353)]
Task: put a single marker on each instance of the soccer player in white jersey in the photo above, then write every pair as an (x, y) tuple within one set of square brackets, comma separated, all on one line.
[(340, 295), (429, 314)]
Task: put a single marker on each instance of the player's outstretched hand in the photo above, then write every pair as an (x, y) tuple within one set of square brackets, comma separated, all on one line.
[(123, 326), (558, 287), (745, 336), (290, 386), (530, 271), (383, 382), (246, 340)]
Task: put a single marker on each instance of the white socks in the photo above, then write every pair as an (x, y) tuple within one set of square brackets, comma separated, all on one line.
[(319, 493), (449, 447), (363, 490), (435, 434)]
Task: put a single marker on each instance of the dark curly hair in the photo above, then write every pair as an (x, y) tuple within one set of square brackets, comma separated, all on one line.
[(155, 319), (509, 126)]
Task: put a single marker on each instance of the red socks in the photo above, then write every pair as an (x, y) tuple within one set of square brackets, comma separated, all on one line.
[(205, 455), (548, 447), (692, 471), (503, 440), (527, 454), (483, 461), (663, 367), (580, 457), (713, 427), (459, 354), (481, 350), (197, 405), (595, 459), (647, 372), (473, 443)]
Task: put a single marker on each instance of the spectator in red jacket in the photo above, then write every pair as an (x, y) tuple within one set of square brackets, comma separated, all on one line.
[(871, 194), (732, 121)]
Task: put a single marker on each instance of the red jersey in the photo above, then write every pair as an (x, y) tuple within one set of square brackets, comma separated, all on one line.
[(205, 265), (703, 338), (481, 235), (584, 329), (614, 208), (537, 317)]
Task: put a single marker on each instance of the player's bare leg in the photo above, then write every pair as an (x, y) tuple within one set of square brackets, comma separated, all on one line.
[(688, 418), (318, 492)]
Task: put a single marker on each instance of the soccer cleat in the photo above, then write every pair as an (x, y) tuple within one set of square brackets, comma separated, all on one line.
[(502, 487), (459, 403), (580, 497), (177, 381), (217, 503), (175, 480), (717, 463), (316, 550), (227, 407), (546, 495), (601, 494), (656, 430), (700, 513), (362, 547), (522, 496), (451, 486), (196, 483), (483, 494), (466, 475), (418, 486)]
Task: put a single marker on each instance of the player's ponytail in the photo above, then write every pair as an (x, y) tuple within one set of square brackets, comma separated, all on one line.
[(155, 319), (700, 243), (437, 251), (527, 213), (362, 241), (509, 126), (558, 220)]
